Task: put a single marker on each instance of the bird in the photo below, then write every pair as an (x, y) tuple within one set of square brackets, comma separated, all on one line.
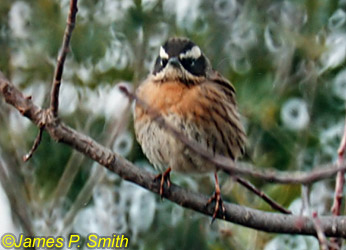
[(197, 101)]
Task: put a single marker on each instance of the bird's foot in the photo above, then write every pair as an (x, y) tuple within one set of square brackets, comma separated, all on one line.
[(164, 177), (219, 207)]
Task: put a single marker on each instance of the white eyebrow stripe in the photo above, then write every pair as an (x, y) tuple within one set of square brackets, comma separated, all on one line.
[(194, 52), (163, 53)]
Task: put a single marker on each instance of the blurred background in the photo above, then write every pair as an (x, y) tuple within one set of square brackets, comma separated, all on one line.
[(285, 58)]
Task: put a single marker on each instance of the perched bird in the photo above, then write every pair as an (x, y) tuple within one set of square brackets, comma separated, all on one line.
[(199, 102)]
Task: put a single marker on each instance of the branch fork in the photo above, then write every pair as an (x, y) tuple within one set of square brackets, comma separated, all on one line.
[(54, 104)]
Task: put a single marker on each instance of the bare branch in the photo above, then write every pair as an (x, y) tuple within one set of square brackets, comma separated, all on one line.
[(264, 196), (305, 192), (229, 166), (36, 144), (340, 178), (339, 184), (54, 105), (71, 19), (265, 221), (317, 224), (320, 235)]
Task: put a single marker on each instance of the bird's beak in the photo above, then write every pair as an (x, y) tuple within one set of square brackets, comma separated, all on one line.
[(174, 62)]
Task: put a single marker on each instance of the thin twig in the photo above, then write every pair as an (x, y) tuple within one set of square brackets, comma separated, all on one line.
[(71, 19), (305, 199), (35, 145), (261, 194), (54, 105), (229, 166), (320, 235), (323, 242), (340, 179), (339, 183)]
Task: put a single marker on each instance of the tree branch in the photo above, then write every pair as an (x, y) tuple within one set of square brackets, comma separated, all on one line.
[(339, 185), (71, 20), (274, 205), (265, 221), (320, 234), (340, 178), (36, 144), (54, 105)]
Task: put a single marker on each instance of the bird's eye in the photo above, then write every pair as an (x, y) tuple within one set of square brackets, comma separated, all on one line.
[(188, 62), (163, 62)]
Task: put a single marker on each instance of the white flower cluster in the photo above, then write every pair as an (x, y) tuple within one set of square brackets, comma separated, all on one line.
[(335, 41), (294, 114)]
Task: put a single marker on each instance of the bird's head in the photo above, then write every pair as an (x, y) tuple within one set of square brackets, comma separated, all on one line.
[(180, 59)]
